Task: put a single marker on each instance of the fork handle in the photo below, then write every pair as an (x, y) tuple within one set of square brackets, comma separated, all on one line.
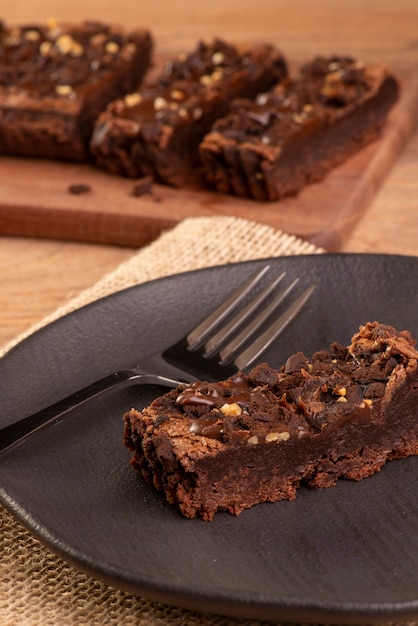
[(9, 435)]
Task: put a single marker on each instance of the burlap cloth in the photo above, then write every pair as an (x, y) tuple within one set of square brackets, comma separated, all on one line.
[(38, 588)]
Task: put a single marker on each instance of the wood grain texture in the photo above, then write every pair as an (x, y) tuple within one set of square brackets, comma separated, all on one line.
[(390, 224), (36, 277)]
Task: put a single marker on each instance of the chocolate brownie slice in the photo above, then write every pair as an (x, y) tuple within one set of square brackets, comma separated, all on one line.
[(56, 78), (258, 437), (156, 130), (296, 133)]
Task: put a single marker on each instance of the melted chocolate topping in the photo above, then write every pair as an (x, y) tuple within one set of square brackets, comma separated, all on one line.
[(61, 62), (304, 397)]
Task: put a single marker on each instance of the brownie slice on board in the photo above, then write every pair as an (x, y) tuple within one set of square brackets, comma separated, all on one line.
[(294, 134), (156, 130), (56, 78)]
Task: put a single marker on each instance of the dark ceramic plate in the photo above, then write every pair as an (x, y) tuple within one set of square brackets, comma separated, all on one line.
[(345, 554)]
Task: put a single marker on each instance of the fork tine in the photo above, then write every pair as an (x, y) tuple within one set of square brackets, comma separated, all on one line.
[(230, 350), (214, 343), (197, 336), (257, 347)]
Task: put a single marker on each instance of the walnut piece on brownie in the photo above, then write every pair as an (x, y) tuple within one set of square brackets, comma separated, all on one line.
[(56, 78), (229, 445), (300, 130), (156, 130)]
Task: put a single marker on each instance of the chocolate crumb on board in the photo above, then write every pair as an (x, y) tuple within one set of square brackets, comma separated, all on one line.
[(142, 186), (78, 189)]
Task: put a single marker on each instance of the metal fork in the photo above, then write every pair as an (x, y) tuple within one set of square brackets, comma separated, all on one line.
[(229, 340)]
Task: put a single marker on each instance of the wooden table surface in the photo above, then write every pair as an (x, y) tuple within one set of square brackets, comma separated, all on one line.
[(38, 275)]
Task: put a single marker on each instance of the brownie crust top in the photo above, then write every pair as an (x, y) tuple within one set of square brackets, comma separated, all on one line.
[(61, 61), (304, 398)]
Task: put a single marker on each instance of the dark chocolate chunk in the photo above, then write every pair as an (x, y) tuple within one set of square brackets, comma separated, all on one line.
[(79, 188)]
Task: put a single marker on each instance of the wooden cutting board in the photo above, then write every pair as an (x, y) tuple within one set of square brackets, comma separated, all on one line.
[(35, 200)]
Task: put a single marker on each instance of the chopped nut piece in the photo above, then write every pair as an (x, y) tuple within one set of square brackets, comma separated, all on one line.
[(132, 99), (218, 58), (67, 45), (231, 409), (112, 47), (197, 113), (253, 440), (31, 35), (342, 391), (262, 98), (183, 113), (205, 79), (160, 103), (217, 75), (284, 436), (272, 437), (45, 48), (342, 399), (177, 94), (64, 90)]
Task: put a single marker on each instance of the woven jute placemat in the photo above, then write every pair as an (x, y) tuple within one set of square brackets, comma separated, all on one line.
[(37, 587)]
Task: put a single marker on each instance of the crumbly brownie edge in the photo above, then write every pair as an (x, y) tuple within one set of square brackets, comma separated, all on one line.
[(235, 488), (268, 173)]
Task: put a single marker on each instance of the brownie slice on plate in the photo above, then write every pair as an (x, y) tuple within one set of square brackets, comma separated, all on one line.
[(56, 78), (253, 438), (156, 130), (297, 132)]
